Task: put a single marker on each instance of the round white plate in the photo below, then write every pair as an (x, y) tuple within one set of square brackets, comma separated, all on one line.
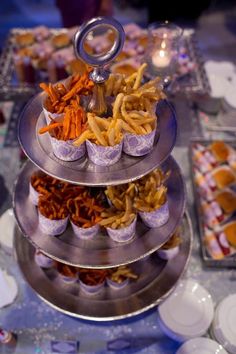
[(224, 324), (7, 225), (188, 311), (201, 346)]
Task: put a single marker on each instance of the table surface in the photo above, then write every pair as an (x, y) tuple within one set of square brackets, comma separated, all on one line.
[(37, 324)]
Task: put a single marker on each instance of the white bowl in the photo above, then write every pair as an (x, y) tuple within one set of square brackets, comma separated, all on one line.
[(224, 323), (188, 311), (201, 346)]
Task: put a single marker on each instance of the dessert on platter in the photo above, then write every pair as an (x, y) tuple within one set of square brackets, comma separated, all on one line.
[(214, 177)]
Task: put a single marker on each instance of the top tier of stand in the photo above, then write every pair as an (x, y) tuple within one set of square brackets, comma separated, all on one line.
[(83, 171)]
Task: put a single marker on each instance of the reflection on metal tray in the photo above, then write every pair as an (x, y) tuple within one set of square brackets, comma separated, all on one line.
[(38, 149), (157, 279), (101, 252), (227, 261)]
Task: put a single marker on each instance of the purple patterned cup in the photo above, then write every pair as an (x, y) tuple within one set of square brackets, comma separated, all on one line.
[(124, 234), (43, 261), (168, 253), (68, 279), (85, 233), (52, 227), (104, 155), (91, 289), (66, 151), (138, 145), (55, 116), (33, 195), (117, 286), (157, 217)]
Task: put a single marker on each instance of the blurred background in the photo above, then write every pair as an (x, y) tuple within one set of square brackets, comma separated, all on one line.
[(59, 13)]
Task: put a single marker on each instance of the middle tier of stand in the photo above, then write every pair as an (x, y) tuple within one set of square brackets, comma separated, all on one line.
[(83, 171), (100, 252)]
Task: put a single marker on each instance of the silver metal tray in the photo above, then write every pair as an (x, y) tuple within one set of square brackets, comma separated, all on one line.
[(228, 261), (101, 252), (38, 149), (157, 278)]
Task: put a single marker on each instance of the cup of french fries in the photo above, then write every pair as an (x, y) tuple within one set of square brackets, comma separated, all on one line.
[(135, 109), (92, 281), (119, 277), (120, 224), (151, 199), (104, 140), (53, 217), (171, 248)]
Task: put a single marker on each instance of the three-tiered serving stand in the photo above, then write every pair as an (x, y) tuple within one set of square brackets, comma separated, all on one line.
[(157, 278)]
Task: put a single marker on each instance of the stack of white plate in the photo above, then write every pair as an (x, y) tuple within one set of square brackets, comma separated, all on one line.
[(187, 313), (224, 323), (201, 346), (222, 80)]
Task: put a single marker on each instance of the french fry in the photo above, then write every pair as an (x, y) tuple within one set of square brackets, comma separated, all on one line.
[(95, 129)]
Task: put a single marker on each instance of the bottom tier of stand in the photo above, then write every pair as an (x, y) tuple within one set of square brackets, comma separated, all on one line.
[(156, 279)]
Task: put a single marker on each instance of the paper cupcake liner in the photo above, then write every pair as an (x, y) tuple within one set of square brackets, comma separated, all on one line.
[(66, 151), (91, 289), (52, 227), (157, 217), (43, 261), (85, 233), (168, 253), (117, 286), (33, 195), (124, 234), (104, 155), (68, 279), (138, 145), (52, 115)]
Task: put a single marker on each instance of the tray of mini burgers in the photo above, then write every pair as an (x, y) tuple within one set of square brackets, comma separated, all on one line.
[(214, 181), (31, 55)]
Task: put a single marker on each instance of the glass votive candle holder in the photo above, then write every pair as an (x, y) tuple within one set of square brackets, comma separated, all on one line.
[(162, 49)]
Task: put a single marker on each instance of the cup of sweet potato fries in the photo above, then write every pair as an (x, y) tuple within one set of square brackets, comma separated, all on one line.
[(151, 199), (68, 274), (53, 216), (120, 223), (92, 281), (85, 214), (65, 116)]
